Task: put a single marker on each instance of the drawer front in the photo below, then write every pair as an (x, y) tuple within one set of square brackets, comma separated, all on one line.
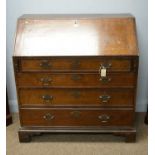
[(68, 64), (75, 80), (76, 117), (81, 97)]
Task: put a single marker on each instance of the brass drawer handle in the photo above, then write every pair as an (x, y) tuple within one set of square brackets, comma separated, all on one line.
[(104, 118), (48, 117), (76, 77), (75, 114), (46, 81), (45, 64), (47, 98), (106, 65), (105, 98), (105, 79)]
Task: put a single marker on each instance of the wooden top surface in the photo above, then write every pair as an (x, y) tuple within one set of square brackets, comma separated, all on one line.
[(76, 35)]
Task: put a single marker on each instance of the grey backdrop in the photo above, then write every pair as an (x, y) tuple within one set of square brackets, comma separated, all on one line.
[(138, 8)]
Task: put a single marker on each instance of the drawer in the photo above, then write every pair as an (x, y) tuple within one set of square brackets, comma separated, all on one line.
[(76, 117), (77, 64), (75, 80), (80, 97)]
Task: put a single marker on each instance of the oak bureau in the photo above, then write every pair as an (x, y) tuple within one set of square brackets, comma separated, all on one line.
[(76, 74)]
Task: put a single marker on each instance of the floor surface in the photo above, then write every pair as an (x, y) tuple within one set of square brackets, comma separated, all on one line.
[(77, 144)]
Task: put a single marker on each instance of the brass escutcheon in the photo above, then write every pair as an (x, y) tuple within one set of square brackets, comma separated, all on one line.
[(76, 77), (75, 64), (105, 79), (47, 98), (75, 114), (105, 98), (45, 64), (104, 118), (46, 81), (48, 117), (76, 93), (106, 65)]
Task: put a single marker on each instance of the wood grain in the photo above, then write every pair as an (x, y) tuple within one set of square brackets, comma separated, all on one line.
[(74, 97), (75, 80), (66, 117), (75, 36), (57, 61), (77, 63)]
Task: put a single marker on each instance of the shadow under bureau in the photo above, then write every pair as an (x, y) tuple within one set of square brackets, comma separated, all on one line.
[(76, 74)]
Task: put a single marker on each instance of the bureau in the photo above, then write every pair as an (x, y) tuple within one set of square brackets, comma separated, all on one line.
[(76, 74)]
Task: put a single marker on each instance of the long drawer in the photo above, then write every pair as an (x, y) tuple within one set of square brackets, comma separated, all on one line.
[(76, 117), (77, 64), (81, 97), (75, 80)]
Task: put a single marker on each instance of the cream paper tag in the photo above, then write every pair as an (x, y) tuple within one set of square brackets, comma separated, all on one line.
[(103, 72)]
